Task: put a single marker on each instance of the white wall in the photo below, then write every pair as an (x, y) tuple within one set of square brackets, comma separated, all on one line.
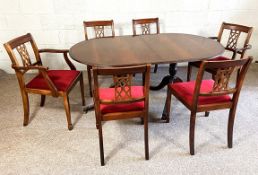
[(58, 23)]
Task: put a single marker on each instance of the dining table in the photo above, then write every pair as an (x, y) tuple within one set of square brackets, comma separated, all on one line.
[(165, 48)]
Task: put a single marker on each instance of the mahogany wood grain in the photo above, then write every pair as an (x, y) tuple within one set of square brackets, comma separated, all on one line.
[(145, 49)]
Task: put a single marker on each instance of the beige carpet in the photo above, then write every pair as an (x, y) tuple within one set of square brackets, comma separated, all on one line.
[(45, 146)]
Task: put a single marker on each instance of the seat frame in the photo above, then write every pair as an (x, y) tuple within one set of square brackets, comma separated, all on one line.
[(143, 114), (22, 70), (242, 65)]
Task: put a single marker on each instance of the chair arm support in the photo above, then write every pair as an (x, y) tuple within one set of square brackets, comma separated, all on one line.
[(65, 54), (50, 84), (43, 71), (248, 46), (241, 50)]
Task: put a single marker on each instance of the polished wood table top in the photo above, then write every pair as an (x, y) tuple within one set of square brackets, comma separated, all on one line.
[(143, 49)]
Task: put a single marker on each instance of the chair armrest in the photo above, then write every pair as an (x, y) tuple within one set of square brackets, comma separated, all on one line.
[(54, 50), (248, 46), (42, 68), (241, 50), (64, 52)]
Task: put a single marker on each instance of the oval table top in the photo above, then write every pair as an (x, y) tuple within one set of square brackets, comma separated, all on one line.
[(143, 49)]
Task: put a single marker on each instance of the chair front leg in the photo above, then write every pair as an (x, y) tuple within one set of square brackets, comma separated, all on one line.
[(101, 148), (67, 111), (89, 78), (26, 108), (82, 90), (42, 100), (191, 132), (231, 120), (146, 136)]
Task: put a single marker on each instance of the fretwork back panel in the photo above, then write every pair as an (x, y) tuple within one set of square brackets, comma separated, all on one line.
[(99, 31), (145, 29), (222, 78), (122, 87), (25, 57), (233, 39)]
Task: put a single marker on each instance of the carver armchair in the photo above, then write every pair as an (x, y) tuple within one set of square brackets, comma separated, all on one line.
[(53, 83), (233, 44)]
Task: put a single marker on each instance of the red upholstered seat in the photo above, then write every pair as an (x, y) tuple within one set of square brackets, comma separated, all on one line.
[(220, 58), (62, 79), (186, 91), (109, 94)]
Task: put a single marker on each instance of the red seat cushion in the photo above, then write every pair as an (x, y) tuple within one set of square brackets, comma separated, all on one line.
[(62, 79), (109, 94), (186, 91), (220, 58)]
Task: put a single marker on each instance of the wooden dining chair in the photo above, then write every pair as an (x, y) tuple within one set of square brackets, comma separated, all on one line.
[(125, 100), (206, 95), (145, 25), (99, 28), (234, 30), (47, 82)]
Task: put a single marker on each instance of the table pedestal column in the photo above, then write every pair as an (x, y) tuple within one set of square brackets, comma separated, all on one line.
[(171, 78), (167, 79)]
